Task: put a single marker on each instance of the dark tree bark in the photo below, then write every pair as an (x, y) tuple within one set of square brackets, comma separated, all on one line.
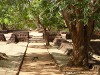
[(81, 35), (46, 36), (45, 32), (80, 41)]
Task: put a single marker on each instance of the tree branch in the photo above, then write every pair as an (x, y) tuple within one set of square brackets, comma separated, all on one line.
[(65, 16), (97, 10), (39, 22)]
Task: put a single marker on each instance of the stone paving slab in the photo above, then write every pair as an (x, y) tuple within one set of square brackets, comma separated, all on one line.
[(15, 54)]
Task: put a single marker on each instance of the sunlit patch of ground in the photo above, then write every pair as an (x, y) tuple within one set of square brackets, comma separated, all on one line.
[(15, 54)]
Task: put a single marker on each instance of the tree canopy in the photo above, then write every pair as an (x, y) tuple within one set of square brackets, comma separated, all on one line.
[(15, 13), (23, 12)]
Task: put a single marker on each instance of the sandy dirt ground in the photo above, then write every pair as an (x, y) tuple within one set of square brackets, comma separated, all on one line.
[(15, 54), (38, 61)]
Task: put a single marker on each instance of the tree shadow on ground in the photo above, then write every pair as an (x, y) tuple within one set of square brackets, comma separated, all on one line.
[(39, 64), (12, 63), (37, 46)]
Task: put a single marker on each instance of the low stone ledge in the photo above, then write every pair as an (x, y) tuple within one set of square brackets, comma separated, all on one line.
[(13, 39), (22, 36), (2, 37)]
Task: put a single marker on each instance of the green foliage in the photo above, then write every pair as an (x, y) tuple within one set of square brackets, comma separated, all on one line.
[(88, 7), (19, 12), (14, 13)]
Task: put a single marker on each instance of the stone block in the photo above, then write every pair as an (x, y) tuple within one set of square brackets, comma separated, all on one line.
[(23, 36), (13, 39), (2, 37)]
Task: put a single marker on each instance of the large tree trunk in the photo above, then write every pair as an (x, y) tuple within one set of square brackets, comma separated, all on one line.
[(80, 41), (45, 32), (46, 37), (81, 35)]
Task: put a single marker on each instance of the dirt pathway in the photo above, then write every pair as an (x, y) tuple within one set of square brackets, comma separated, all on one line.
[(38, 61)]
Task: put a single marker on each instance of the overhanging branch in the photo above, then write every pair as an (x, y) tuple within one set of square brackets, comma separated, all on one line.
[(65, 16), (97, 10)]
